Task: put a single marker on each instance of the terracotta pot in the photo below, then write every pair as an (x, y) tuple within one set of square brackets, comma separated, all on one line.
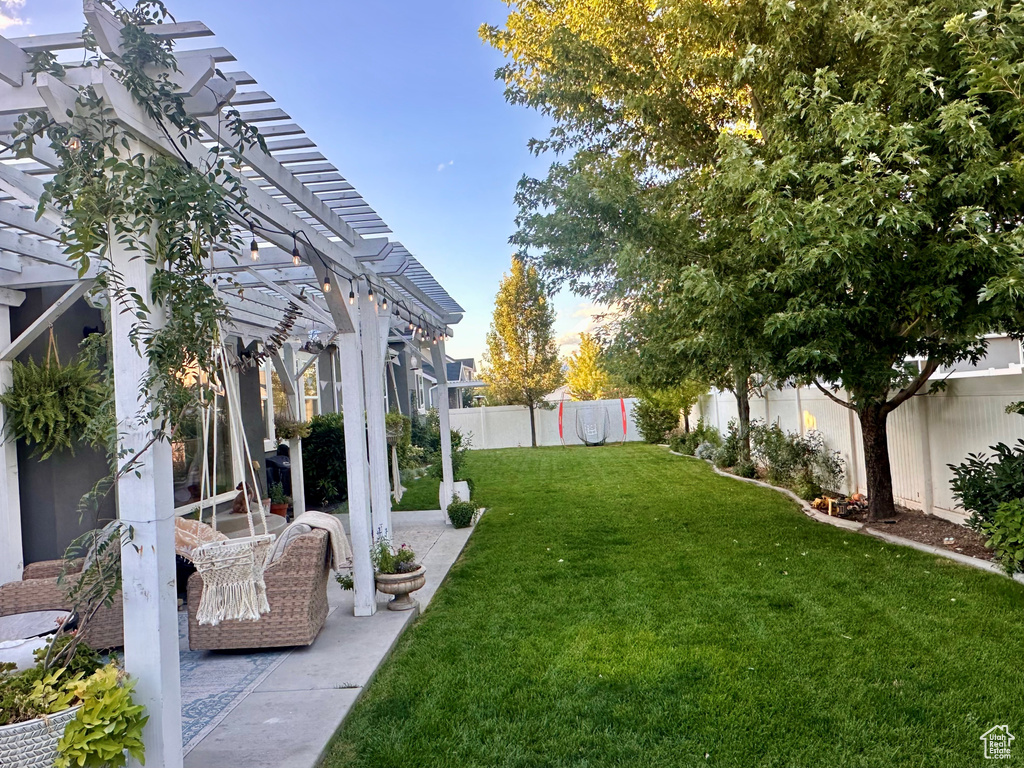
[(401, 585), (33, 744), (279, 509)]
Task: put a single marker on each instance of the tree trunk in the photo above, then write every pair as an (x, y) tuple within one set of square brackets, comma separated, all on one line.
[(741, 389), (533, 428), (876, 459), (686, 422)]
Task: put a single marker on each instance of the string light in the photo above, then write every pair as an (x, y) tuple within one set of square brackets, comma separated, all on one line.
[(351, 293), (296, 259), (384, 304), (254, 250), (74, 144), (369, 292), (327, 283)]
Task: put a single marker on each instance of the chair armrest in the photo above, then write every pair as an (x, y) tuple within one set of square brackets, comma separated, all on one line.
[(50, 569), (32, 595)]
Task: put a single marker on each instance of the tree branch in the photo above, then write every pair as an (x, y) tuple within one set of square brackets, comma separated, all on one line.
[(831, 396), (911, 389)]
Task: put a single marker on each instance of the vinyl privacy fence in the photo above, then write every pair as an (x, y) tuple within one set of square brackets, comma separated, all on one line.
[(925, 434), (508, 426)]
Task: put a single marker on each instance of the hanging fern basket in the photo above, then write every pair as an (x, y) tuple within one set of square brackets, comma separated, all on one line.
[(52, 406)]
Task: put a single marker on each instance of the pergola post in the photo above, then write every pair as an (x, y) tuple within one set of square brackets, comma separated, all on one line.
[(437, 357), (357, 471), (12, 556), (295, 444), (373, 355), (145, 503)]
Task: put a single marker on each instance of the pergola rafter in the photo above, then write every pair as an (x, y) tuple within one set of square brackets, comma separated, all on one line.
[(295, 200)]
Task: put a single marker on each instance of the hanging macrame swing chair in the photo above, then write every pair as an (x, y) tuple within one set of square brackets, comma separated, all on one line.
[(232, 570)]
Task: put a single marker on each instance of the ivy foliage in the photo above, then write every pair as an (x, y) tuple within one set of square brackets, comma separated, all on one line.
[(172, 208)]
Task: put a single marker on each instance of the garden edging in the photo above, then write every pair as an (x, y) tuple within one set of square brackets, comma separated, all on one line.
[(849, 525)]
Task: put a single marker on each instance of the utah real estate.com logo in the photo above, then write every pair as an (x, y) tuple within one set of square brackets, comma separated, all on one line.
[(997, 740)]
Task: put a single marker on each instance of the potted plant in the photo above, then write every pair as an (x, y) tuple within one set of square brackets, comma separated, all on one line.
[(79, 713), (286, 429), (397, 572), (279, 502)]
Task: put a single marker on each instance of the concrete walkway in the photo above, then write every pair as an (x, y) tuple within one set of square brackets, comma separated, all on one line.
[(288, 719)]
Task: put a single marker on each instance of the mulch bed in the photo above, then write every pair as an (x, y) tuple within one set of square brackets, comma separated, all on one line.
[(917, 526)]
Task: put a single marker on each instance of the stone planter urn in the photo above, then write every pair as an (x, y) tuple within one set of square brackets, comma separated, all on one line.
[(33, 744), (401, 585)]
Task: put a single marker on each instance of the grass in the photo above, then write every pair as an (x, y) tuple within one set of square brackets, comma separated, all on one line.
[(620, 606), (420, 494)]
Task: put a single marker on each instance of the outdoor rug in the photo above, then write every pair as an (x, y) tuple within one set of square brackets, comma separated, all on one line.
[(213, 684)]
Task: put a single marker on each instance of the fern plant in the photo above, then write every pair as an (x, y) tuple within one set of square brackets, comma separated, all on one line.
[(52, 406)]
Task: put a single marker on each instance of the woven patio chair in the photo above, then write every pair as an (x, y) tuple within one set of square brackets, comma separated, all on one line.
[(38, 590), (297, 593)]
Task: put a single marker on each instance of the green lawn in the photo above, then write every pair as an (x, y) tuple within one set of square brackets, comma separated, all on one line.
[(621, 606), (420, 494)]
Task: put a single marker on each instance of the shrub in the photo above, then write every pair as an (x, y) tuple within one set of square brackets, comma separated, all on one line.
[(706, 451), (654, 417), (688, 442), (728, 455), (982, 483), (1006, 535), (323, 460), (794, 460), (461, 513), (426, 435), (745, 469)]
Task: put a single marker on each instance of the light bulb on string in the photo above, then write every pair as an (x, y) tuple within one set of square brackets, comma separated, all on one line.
[(254, 250), (327, 283), (296, 259), (384, 304), (369, 291)]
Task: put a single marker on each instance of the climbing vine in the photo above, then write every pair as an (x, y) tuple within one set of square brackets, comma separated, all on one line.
[(174, 209)]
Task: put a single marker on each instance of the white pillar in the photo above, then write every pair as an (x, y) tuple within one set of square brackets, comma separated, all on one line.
[(145, 502), (12, 556), (357, 470), (441, 371), (377, 439), (295, 443)]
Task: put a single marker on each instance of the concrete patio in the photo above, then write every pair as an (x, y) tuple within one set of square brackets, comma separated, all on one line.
[(289, 717)]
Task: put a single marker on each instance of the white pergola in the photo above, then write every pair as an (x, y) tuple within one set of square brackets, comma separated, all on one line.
[(341, 241)]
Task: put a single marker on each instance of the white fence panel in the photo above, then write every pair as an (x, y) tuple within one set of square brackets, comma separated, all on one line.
[(508, 426), (926, 433)]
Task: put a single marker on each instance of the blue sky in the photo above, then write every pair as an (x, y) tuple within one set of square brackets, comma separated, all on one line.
[(400, 95)]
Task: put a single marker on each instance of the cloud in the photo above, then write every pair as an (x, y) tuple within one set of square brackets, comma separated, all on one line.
[(589, 318), (442, 166), (10, 14)]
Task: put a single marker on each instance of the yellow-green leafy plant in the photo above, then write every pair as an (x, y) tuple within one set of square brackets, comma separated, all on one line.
[(108, 725)]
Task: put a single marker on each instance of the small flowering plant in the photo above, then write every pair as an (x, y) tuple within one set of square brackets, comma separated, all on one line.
[(387, 559)]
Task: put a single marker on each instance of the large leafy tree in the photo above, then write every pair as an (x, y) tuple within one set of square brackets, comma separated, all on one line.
[(521, 362), (875, 173), (585, 372)]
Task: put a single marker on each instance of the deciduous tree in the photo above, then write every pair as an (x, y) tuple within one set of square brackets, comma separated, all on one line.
[(585, 372), (521, 363), (877, 169)]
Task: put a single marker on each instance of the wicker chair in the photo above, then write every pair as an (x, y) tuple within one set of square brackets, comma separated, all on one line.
[(38, 590), (296, 591)]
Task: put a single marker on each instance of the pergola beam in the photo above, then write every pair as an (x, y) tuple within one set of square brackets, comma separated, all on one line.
[(47, 319)]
